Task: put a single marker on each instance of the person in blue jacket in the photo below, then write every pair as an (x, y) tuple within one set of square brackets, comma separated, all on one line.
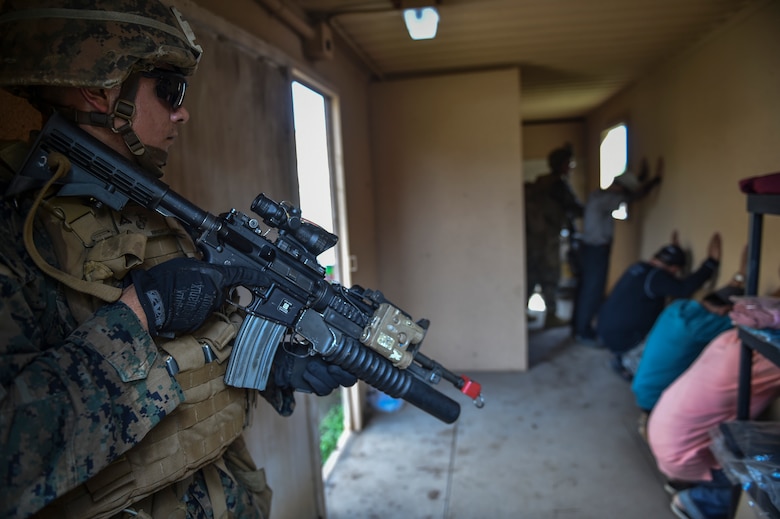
[(643, 291)]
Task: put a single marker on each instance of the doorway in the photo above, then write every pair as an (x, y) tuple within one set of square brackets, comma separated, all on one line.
[(321, 201)]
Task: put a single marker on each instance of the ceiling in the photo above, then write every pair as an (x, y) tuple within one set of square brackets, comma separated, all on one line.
[(574, 54)]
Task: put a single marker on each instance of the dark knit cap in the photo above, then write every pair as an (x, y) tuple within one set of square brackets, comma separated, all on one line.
[(671, 255)]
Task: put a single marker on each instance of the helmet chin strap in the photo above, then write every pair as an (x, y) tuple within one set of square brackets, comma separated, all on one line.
[(120, 121), (158, 156)]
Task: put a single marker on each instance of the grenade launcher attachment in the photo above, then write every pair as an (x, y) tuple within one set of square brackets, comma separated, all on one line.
[(355, 328)]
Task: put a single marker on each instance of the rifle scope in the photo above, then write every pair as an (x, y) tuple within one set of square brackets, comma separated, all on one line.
[(287, 218)]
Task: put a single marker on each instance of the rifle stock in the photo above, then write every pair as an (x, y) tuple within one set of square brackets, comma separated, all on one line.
[(355, 328)]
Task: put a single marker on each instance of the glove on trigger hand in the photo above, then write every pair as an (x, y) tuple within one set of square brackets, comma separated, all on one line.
[(179, 295), (309, 374)]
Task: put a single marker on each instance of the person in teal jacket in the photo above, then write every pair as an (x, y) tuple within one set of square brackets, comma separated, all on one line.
[(679, 334)]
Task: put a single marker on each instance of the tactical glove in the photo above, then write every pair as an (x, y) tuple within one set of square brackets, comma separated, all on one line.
[(177, 296), (309, 374)]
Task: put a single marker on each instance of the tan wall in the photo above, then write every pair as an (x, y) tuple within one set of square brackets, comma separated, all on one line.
[(713, 114), (450, 214), (344, 76)]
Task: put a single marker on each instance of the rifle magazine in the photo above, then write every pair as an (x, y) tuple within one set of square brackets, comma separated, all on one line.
[(253, 353)]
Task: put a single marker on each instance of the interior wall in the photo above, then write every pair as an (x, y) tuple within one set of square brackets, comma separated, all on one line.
[(449, 211), (712, 114), (348, 78)]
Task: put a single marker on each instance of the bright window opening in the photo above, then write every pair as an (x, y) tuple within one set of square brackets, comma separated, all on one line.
[(317, 205), (613, 160), (314, 178)]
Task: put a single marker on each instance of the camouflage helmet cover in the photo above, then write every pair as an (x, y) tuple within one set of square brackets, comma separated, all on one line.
[(90, 43)]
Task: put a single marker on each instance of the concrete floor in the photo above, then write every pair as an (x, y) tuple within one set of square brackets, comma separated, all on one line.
[(558, 441)]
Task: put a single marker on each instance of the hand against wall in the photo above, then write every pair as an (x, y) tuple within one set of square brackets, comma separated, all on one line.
[(714, 248)]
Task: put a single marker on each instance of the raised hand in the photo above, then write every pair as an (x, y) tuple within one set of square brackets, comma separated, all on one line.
[(714, 247)]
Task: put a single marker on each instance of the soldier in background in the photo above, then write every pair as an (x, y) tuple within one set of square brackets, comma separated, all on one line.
[(551, 206), (93, 421)]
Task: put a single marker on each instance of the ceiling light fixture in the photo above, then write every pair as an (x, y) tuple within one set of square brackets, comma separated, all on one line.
[(422, 22)]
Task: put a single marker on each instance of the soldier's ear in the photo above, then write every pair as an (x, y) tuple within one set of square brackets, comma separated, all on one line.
[(99, 99)]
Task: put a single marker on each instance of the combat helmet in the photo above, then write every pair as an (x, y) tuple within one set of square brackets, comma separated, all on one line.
[(92, 43)]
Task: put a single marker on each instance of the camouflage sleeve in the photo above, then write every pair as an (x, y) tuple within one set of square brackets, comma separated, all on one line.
[(70, 401)]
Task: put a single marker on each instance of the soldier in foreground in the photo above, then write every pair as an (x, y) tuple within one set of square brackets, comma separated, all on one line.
[(94, 303)]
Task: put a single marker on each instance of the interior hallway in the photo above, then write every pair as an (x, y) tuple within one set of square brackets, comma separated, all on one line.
[(558, 441)]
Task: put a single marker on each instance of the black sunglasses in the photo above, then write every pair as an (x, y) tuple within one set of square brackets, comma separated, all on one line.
[(171, 86)]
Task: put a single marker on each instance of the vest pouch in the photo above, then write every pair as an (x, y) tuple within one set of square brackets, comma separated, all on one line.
[(243, 469), (212, 341), (99, 245), (114, 257)]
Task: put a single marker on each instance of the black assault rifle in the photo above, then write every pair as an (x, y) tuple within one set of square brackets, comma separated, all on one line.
[(385, 350)]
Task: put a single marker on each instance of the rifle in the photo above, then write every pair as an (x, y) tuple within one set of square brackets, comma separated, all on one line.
[(355, 328)]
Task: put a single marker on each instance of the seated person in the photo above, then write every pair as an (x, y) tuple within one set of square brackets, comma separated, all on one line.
[(704, 396), (679, 335), (642, 292)]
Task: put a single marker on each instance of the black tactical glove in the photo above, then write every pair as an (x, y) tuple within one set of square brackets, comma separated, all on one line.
[(177, 296), (307, 373)]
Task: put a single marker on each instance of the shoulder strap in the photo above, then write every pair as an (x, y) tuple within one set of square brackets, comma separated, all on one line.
[(12, 155), (105, 292)]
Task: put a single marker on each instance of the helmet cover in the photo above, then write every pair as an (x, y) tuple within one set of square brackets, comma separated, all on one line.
[(90, 43)]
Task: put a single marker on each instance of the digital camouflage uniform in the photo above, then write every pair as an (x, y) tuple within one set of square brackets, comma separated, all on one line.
[(79, 390), (87, 393), (551, 206)]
